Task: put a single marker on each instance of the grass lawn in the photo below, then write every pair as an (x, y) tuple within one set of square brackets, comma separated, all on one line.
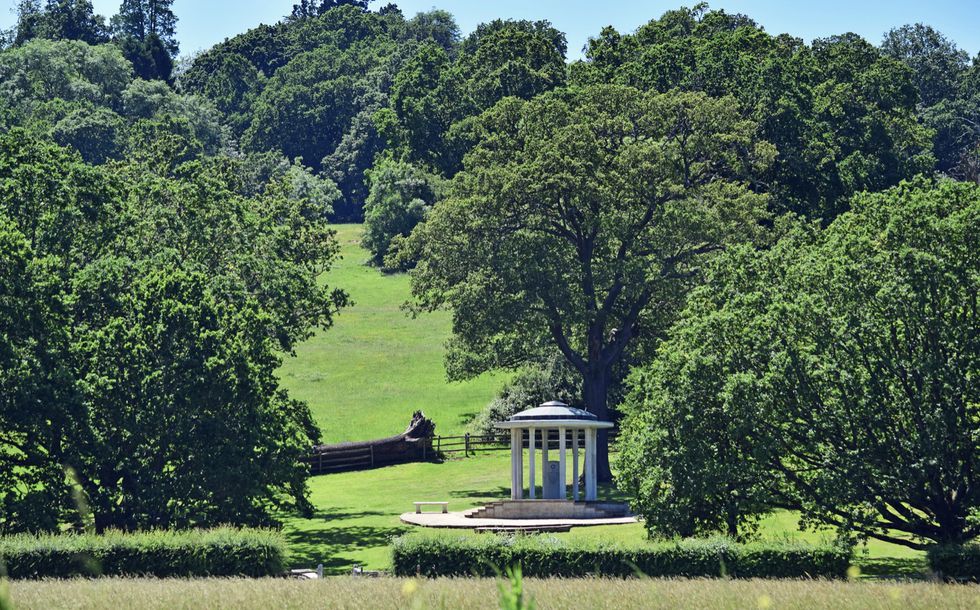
[(385, 593), (365, 376), (357, 514)]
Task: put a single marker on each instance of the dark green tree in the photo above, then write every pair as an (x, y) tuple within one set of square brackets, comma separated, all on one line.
[(146, 30), (843, 367), (59, 20), (399, 199), (426, 99), (579, 221), (512, 59), (951, 105), (842, 114), (141, 19), (152, 314), (97, 134), (937, 63), (306, 9)]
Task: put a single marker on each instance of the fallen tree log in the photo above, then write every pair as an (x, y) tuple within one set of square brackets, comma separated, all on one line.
[(412, 445)]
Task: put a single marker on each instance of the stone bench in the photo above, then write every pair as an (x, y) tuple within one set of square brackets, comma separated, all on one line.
[(419, 505)]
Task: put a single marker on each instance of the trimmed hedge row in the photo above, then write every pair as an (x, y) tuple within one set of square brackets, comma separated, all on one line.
[(434, 555), (222, 551), (955, 562)]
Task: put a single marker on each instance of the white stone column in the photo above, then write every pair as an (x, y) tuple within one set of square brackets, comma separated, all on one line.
[(515, 446), (544, 457), (590, 465), (530, 455), (561, 464), (575, 493), (520, 464)]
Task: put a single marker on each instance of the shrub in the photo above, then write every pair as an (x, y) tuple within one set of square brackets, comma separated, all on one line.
[(217, 552), (434, 555), (552, 379), (955, 562), (399, 199)]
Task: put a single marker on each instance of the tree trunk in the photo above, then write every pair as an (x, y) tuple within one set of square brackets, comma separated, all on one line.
[(594, 391)]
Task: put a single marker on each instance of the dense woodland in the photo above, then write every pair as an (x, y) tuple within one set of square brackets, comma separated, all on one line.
[(761, 254)]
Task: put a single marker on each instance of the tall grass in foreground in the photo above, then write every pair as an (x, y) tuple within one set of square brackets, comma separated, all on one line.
[(465, 594)]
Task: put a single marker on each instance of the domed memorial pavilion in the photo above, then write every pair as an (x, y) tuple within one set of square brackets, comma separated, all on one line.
[(565, 438), (553, 426)]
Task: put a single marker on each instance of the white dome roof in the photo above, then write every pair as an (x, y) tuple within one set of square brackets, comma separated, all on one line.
[(553, 410), (553, 414)]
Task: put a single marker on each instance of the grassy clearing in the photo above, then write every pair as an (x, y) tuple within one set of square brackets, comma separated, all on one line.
[(385, 593), (357, 515), (364, 377)]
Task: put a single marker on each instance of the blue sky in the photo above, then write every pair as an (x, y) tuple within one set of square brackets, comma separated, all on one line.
[(205, 22)]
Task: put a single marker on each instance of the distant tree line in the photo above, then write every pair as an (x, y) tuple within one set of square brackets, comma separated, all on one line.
[(145, 30)]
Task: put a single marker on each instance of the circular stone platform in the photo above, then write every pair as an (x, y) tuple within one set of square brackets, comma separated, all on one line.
[(461, 521)]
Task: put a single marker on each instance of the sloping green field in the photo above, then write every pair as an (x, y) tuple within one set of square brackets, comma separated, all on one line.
[(364, 377)]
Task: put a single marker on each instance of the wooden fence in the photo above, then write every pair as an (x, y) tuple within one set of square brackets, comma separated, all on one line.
[(360, 457), (470, 444), (342, 459)]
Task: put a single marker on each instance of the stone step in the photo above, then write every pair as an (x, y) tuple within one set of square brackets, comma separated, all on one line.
[(547, 509)]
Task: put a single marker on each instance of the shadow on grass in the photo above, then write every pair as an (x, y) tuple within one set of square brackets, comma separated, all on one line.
[(466, 419), (914, 568), (331, 536), (499, 492)]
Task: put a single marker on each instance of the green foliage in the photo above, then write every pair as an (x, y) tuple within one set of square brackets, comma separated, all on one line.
[(149, 57), (548, 557), (841, 114), (948, 92), (937, 63), (579, 222), (308, 104), (552, 379), (835, 372), (59, 20), (513, 597), (165, 554), (96, 134), (511, 59), (400, 197), (314, 8), (230, 81), (159, 310), (434, 90), (955, 562), (426, 99), (307, 88), (86, 97), (44, 70)]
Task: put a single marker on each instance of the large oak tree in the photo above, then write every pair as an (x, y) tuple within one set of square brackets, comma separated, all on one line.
[(835, 374), (578, 222)]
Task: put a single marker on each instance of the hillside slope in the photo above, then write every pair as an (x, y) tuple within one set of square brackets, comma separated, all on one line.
[(364, 377)]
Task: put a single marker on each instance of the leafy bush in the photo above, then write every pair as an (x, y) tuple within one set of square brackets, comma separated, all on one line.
[(400, 196), (434, 555), (955, 562), (553, 379), (222, 551)]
